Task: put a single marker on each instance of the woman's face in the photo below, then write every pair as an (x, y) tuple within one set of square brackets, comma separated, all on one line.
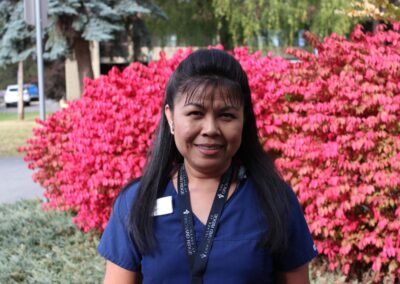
[(207, 133)]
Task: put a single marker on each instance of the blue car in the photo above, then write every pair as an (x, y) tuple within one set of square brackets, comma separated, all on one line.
[(32, 91)]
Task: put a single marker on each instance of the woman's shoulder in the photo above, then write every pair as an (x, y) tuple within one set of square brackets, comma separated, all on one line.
[(125, 198), (131, 188)]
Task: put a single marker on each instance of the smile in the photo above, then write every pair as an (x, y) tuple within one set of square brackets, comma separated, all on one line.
[(209, 149), (209, 146)]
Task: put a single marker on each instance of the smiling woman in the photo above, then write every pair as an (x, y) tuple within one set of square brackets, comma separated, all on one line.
[(210, 206), (207, 124)]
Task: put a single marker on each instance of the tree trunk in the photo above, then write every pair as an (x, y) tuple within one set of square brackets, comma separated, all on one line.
[(20, 81), (84, 60), (140, 37), (224, 35)]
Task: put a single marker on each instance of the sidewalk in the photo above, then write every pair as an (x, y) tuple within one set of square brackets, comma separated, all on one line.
[(16, 181)]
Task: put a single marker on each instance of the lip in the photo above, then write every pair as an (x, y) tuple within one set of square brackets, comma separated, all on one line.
[(209, 149)]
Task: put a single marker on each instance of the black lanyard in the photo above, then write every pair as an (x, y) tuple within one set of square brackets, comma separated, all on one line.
[(198, 257)]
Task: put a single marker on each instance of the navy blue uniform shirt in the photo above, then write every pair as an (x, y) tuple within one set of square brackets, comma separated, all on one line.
[(235, 256)]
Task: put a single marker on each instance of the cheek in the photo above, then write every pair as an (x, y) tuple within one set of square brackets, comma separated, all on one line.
[(238, 139), (234, 136), (184, 133)]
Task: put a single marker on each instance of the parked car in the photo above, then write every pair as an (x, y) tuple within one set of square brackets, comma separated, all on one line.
[(11, 96), (32, 90)]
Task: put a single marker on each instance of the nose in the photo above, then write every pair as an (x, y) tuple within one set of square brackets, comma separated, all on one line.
[(210, 126)]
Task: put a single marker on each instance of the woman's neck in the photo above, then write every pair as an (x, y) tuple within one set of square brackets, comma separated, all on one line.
[(199, 180), (204, 174)]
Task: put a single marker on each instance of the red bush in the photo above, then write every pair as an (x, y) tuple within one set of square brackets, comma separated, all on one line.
[(332, 119), (87, 152)]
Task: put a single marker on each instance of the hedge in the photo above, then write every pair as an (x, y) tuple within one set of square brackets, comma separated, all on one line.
[(331, 120)]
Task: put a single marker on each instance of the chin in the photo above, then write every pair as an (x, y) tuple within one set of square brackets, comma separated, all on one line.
[(210, 167)]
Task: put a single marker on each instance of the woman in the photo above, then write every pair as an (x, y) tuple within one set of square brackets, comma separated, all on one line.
[(210, 206)]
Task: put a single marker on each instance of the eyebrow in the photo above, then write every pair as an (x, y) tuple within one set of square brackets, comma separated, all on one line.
[(225, 108)]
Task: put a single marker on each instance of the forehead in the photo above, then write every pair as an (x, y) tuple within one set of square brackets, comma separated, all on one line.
[(204, 91)]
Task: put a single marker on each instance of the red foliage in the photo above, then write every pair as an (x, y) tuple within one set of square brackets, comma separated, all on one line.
[(87, 152), (333, 119)]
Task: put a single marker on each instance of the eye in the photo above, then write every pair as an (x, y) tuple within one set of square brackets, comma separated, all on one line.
[(228, 115), (195, 113)]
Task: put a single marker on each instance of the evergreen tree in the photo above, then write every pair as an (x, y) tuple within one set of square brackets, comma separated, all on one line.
[(74, 23), (16, 38), (71, 26)]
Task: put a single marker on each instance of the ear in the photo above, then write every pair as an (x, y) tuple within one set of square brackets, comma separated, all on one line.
[(169, 116)]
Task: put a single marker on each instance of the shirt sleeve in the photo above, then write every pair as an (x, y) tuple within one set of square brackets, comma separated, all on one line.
[(301, 248), (116, 245)]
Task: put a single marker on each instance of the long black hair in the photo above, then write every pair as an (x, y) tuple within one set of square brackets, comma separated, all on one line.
[(164, 156)]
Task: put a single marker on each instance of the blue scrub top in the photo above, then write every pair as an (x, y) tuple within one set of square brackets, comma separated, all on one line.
[(235, 256)]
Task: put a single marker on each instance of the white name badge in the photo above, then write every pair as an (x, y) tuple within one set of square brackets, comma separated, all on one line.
[(163, 206)]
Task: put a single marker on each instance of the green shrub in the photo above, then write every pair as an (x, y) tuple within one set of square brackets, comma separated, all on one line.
[(45, 247)]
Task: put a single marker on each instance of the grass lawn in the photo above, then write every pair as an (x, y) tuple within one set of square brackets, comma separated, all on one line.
[(14, 133), (45, 247), (12, 116)]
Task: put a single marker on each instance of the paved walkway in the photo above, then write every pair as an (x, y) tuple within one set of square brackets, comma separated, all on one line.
[(16, 181), (15, 177)]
